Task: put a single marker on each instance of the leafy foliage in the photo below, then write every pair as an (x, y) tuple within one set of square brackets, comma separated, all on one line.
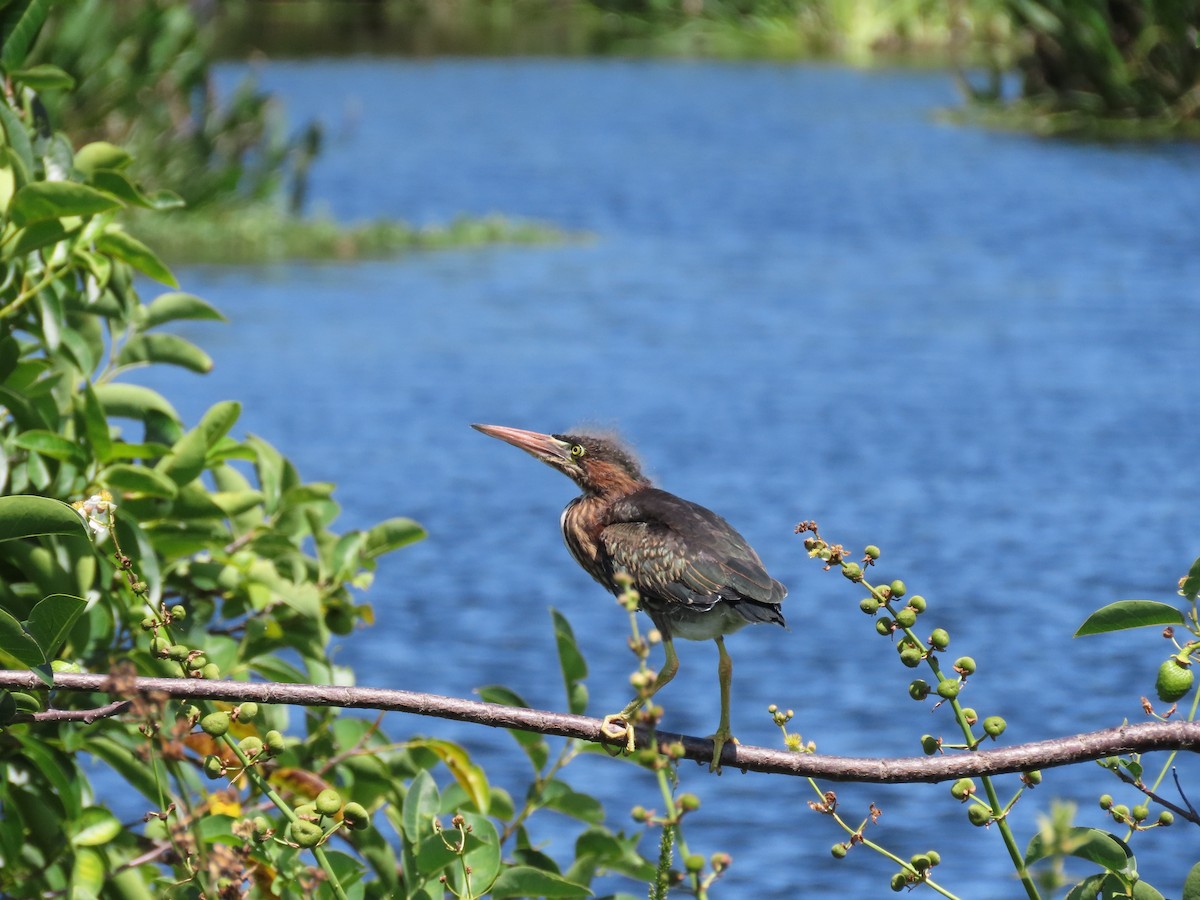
[(134, 542)]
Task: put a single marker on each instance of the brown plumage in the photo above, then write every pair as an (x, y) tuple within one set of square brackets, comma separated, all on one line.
[(696, 577)]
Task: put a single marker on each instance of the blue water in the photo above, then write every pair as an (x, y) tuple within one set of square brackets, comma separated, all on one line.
[(802, 299)]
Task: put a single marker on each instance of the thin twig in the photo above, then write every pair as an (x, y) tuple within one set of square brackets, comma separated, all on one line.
[(87, 716), (1189, 814), (1139, 738)]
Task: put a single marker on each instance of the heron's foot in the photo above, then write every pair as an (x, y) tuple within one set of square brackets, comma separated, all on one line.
[(720, 739), (617, 726)]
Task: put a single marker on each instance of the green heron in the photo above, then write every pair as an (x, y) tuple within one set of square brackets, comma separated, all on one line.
[(696, 577)]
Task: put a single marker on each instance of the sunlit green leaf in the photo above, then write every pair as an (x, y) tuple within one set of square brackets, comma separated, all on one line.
[(18, 643), (174, 306), (1191, 884), (21, 24), (523, 881), (95, 424), (469, 776), (1129, 614), (93, 827), (101, 155), (186, 459), (1191, 584), (420, 806), (37, 235), (391, 534), (130, 479), (574, 668), (561, 797), (87, 875), (132, 401), (131, 250), (40, 201), (50, 444), (51, 619), (168, 349), (1100, 847), (28, 516)]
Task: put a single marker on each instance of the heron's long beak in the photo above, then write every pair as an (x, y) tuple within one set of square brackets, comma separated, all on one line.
[(545, 447)]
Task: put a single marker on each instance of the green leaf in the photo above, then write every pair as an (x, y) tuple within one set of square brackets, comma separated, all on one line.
[(1099, 847), (1129, 614), (44, 77), (123, 246), (40, 201), (482, 861), (101, 155), (174, 306), (14, 129), (132, 401), (169, 349), (470, 777), (391, 535), (1191, 884), (87, 875), (1191, 584), (39, 235), (18, 643), (26, 516), (95, 424), (524, 881), (51, 619), (50, 444), (215, 423), (570, 660), (19, 25), (130, 479), (420, 806), (186, 459), (93, 827), (54, 766), (136, 773), (561, 797), (532, 743)]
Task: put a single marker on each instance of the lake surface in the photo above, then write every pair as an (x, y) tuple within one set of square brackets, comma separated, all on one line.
[(803, 299)]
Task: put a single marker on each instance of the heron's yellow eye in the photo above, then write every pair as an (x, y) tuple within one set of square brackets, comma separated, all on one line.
[(578, 451)]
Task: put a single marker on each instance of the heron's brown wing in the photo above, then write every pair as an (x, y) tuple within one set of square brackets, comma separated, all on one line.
[(670, 545)]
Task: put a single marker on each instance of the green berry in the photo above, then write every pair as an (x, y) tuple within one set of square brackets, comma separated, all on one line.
[(212, 671), (148, 623), (898, 588), (261, 825), (251, 745), (639, 814), (917, 602), (899, 882), (979, 815), (906, 617), (329, 802), (247, 711), (918, 689), (1034, 776), (1106, 801), (1166, 817), (970, 715), (274, 741), (178, 652), (355, 816), (178, 612), (216, 723), (930, 745), (920, 861), (869, 605), (872, 552), (911, 657), (694, 862), (939, 639), (213, 767), (993, 726), (1140, 812), (838, 851), (962, 788), (853, 571), (1173, 680), (689, 802), (1120, 812), (935, 858), (883, 626), (197, 662), (965, 665), (306, 834), (948, 688)]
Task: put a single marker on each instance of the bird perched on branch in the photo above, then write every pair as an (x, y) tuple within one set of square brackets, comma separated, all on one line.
[(696, 577)]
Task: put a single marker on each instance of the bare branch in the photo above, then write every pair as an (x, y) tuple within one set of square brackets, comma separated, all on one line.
[(1140, 738), (87, 716)]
